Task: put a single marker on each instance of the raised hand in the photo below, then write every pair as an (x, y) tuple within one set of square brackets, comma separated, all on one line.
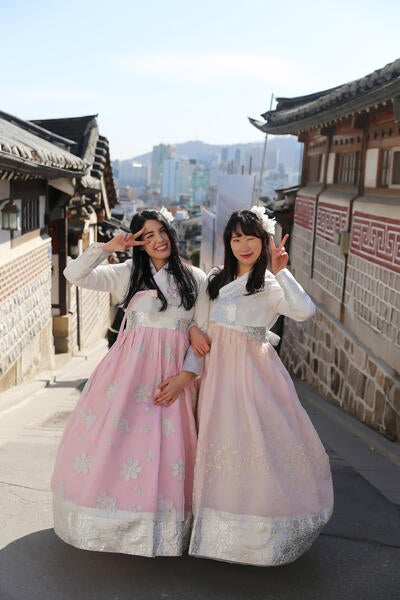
[(123, 241), (279, 256)]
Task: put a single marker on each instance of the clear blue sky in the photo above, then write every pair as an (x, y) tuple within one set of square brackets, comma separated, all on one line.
[(174, 70)]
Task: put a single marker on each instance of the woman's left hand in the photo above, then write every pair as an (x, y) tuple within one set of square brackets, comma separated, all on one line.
[(171, 388), (279, 256)]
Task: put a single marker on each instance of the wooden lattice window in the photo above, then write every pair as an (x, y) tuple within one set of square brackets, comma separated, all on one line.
[(385, 168), (348, 168), (30, 216), (395, 179)]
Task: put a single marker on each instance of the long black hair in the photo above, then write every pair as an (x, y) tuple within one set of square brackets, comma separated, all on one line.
[(250, 224), (141, 276)]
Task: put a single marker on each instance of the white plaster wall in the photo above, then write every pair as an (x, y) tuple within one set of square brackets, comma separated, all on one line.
[(331, 168), (371, 167)]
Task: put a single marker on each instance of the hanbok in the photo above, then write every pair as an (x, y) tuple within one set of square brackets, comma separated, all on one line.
[(124, 472), (263, 488)]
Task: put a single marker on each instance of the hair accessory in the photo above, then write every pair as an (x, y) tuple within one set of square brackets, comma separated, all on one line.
[(267, 223), (168, 216)]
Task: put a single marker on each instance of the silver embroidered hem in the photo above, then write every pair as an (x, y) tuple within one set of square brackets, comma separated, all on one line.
[(254, 540), (142, 534)]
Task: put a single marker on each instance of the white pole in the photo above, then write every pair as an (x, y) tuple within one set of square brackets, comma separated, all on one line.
[(263, 157)]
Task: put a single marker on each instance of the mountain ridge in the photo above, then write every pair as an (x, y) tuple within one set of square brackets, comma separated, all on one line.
[(199, 150)]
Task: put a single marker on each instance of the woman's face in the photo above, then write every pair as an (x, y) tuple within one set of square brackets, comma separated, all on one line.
[(246, 249), (158, 245)]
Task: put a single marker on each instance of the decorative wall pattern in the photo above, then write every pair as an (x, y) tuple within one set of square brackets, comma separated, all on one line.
[(305, 211), (377, 239), (330, 220)]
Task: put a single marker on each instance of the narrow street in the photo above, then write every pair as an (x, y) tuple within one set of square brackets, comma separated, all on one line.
[(356, 557)]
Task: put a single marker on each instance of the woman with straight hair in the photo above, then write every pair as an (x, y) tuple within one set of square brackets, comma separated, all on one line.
[(124, 472), (263, 487)]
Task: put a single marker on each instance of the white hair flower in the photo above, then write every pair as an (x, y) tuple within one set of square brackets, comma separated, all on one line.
[(168, 216), (267, 223)]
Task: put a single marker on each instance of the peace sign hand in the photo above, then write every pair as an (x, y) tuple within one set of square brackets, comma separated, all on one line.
[(279, 256), (121, 242)]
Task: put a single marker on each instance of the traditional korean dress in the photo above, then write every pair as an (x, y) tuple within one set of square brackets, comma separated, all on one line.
[(263, 487), (124, 473)]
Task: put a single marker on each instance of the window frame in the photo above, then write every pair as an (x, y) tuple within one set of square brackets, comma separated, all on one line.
[(394, 152), (343, 172)]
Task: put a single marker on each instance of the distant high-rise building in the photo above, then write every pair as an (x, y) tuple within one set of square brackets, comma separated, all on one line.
[(170, 187), (200, 184), (186, 168), (272, 159), (237, 159), (132, 174), (159, 154)]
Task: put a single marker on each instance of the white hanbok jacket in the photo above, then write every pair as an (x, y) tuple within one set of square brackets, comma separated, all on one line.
[(88, 272), (255, 314)]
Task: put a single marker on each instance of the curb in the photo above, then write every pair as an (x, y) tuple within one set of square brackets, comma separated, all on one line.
[(374, 440), (43, 379)]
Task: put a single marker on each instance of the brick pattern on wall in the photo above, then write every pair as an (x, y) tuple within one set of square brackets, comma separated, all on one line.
[(322, 353), (15, 274), (301, 249), (372, 294), (95, 316), (329, 267), (329, 262)]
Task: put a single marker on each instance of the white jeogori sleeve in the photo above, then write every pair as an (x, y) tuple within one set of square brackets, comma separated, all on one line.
[(295, 302), (202, 306), (193, 363), (88, 272)]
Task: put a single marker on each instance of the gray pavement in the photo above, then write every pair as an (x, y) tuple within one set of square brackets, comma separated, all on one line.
[(356, 557)]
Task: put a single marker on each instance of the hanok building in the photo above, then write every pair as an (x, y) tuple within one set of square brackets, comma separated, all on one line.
[(80, 316), (49, 199), (346, 243)]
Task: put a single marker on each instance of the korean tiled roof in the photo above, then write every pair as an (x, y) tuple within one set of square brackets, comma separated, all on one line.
[(29, 148), (90, 146), (293, 115)]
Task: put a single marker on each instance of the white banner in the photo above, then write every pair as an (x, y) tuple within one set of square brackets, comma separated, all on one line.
[(207, 240), (234, 193)]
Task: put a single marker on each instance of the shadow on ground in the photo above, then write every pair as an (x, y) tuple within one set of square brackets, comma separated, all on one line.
[(357, 556)]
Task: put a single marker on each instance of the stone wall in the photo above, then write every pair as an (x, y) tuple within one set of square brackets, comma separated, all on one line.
[(322, 352), (25, 307), (350, 351), (95, 315)]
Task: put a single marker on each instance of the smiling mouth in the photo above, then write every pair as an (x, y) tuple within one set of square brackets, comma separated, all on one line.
[(162, 248)]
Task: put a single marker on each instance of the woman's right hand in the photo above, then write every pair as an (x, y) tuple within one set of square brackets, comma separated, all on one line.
[(199, 341), (123, 241)]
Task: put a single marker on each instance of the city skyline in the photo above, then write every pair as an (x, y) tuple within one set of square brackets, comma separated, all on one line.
[(159, 73)]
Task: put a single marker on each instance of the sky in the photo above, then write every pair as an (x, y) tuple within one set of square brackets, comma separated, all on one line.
[(177, 70)]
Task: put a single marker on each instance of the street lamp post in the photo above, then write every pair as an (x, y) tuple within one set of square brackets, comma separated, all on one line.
[(10, 216)]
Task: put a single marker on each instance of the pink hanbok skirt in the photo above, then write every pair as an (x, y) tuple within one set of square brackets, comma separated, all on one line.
[(263, 488), (124, 473)]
